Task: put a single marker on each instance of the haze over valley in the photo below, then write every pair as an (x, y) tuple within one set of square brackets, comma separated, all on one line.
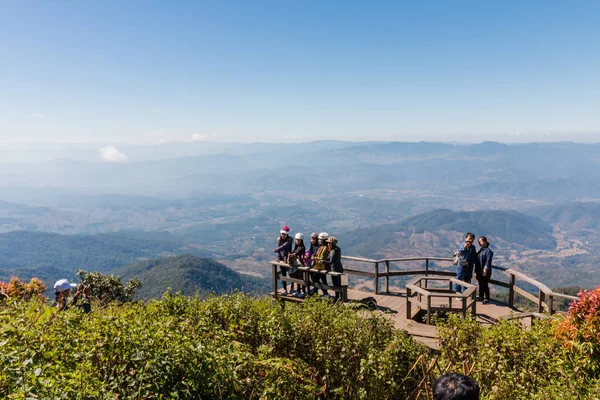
[(69, 207)]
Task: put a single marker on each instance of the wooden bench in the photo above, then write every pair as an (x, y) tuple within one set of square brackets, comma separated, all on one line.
[(418, 288)]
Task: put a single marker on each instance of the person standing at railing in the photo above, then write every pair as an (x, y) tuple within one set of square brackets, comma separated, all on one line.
[(484, 273), (296, 259), (284, 247), (334, 262), (319, 262), (314, 244), (468, 262)]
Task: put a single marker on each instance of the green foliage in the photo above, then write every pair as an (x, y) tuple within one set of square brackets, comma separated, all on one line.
[(510, 362), (230, 347), (109, 288)]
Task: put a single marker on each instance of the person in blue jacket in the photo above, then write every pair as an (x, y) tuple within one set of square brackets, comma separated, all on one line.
[(484, 273), (468, 262)]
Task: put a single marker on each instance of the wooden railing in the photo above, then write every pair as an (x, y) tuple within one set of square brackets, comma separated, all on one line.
[(416, 289), (544, 299), (306, 280)]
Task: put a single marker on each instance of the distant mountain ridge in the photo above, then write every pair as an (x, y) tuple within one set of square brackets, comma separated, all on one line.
[(573, 217), (438, 232), (511, 226)]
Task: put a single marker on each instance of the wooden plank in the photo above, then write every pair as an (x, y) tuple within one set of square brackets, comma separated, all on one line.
[(359, 272), (565, 296), (417, 289), (531, 281), (526, 294), (361, 259), (414, 259), (499, 283), (416, 302), (388, 303), (292, 280), (397, 304)]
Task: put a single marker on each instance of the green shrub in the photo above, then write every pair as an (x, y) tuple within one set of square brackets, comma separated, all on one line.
[(511, 362), (232, 347)]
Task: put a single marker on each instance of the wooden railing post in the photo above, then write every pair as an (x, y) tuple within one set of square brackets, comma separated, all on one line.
[(307, 281), (511, 290), (541, 299), (426, 270), (376, 278), (344, 283), (387, 276), (274, 280), (408, 303), (551, 304), (428, 310)]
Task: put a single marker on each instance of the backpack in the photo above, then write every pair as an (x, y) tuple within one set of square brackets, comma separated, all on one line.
[(370, 302), (455, 257), (460, 257)]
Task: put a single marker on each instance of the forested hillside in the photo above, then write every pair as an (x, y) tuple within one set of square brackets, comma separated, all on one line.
[(582, 218), (510, 226), (52, 256), (189, 275)]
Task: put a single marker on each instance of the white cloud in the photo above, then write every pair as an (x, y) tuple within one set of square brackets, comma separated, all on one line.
[(112, 154), (199, 137)]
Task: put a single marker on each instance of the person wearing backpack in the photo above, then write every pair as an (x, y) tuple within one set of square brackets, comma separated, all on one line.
[(467, 262)]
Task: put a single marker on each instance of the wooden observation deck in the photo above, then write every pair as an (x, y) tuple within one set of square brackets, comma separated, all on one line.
[(411, 304)]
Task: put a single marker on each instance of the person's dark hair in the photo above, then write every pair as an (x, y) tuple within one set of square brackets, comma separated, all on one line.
[(452, 386), (469, 234), (484, 240), (56, 295)]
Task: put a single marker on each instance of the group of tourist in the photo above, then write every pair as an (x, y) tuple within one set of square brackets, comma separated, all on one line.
[(469, 260), (323, 254)]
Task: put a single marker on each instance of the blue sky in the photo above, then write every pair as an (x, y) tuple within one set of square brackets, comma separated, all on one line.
[(278, 71)]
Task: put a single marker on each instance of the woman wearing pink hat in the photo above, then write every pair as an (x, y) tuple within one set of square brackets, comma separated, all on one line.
[(284, 247)]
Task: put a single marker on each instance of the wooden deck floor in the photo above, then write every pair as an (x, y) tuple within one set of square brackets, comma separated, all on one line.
[(394, 306)]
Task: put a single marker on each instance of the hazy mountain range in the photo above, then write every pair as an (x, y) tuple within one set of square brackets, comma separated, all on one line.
[(538, 203)]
